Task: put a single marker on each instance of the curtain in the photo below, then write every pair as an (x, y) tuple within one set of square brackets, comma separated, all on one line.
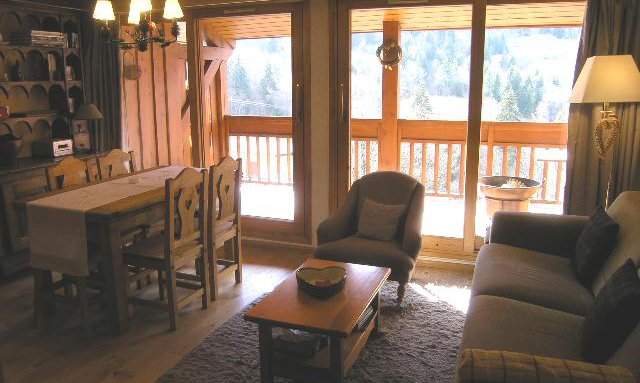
[(611, 27), (102, 85)]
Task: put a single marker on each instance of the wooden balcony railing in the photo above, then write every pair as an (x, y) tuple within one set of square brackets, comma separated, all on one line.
[(434, 152), (265, 145)]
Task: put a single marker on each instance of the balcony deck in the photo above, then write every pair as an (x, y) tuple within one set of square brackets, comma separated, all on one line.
[(443, 216)]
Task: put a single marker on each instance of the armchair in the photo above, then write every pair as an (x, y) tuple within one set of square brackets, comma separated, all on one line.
[(338, 239)]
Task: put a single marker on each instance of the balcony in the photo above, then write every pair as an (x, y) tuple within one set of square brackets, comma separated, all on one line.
[(431, 151)]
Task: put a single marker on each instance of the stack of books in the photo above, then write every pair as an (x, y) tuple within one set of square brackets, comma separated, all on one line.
[(40, 38), (297, 342)]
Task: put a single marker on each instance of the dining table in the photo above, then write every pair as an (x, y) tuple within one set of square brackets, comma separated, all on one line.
[(109, 211)]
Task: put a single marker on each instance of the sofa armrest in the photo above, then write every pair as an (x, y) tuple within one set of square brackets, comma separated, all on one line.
[(551, 234), (342, 223), (492, 366)]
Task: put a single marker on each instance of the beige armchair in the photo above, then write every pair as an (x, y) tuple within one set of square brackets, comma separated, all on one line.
[(338, 239)]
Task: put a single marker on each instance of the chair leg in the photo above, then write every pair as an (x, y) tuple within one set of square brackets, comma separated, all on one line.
[(172, 295), (204, 280), (402, 287), (213, 272), (83, 302), (237, 258)]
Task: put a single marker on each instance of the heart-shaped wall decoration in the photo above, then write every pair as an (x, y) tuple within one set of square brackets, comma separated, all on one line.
[(605, 134)]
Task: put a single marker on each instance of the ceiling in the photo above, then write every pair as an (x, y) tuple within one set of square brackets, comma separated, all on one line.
[(459, 16)]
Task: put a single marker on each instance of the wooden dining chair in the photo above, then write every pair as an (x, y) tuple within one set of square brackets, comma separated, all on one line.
[(69, 172), (181, 244), (76, 290), (224, 221), (115, 163)]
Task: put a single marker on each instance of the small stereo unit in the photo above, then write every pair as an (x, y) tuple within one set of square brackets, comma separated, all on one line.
[(52, 148)]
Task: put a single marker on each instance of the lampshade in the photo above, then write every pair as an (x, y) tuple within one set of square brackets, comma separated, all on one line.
[(88, 112), (103, 10), (172, 10), (142, 5), (134, 14), (607, 79)]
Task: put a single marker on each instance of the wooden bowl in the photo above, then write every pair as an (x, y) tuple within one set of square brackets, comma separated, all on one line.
[(321, 283)]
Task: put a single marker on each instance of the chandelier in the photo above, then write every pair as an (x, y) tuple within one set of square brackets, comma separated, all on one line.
[(145, 31)]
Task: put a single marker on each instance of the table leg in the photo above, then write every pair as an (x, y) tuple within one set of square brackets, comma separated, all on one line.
[(335, 344), (43, 306), (266, 353), (110, 243), (376, 302)]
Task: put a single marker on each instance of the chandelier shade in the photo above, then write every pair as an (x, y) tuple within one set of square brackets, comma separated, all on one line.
[(145, 31), (104, 11), (172, 10)]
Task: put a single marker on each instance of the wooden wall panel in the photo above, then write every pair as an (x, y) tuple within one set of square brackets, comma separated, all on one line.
[(154, 104)]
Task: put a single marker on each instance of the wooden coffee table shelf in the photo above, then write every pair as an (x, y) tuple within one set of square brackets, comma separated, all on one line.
[(335, 317)]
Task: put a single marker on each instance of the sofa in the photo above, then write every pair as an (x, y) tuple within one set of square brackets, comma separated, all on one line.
[(525, 299)]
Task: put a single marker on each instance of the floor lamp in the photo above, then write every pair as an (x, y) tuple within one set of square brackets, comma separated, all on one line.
[(605, 80)]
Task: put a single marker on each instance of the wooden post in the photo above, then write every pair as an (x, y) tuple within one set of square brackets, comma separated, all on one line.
[(194, 46), (388, 136), (478, 21)]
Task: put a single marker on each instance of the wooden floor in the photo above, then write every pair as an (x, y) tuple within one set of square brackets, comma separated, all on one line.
[(60, 353)]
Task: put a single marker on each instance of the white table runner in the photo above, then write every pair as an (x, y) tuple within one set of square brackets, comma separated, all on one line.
[(57, 226)]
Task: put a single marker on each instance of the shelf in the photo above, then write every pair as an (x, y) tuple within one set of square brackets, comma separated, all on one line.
[(26, 48), (33, 118), (5, 84)]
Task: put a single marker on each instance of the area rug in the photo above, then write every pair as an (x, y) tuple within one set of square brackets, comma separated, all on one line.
[(419, 343)]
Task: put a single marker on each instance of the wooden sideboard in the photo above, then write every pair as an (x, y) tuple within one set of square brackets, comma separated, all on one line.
[(24, 180)]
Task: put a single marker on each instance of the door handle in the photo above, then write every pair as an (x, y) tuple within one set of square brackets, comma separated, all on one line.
[(300, 103)]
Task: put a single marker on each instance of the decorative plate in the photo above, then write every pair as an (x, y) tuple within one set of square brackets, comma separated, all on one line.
[(323, 282)]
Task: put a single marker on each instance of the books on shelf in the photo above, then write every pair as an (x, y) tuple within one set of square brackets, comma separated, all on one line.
[(40, 38), (298, 342), (365, 319)]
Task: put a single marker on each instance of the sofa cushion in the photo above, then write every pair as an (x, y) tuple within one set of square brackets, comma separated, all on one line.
[(594, 246), (496, 323), (625, 210), (615, 313), (379, 221), (490, 366), (533, 277), (367, 251)]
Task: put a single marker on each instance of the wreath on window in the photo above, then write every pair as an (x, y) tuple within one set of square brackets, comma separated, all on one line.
[(389, 54)]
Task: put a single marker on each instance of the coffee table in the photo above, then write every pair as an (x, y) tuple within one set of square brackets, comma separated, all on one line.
[(336, 317)]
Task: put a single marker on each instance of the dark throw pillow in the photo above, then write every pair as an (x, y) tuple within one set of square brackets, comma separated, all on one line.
[(615, 313), (379, 221), (594, 246)]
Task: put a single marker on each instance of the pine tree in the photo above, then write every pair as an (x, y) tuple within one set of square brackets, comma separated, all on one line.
[(240, 88), (496, 89), (509, 106), (422, 104), (268, 90)]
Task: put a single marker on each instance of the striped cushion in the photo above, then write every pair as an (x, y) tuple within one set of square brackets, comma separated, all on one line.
[(482, 366)]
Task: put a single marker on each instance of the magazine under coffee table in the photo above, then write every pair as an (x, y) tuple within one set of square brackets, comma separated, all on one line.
[(335, 317)]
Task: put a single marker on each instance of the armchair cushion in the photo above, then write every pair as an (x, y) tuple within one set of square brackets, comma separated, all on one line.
[(356, 249), (492, 366), (379, 221), (594, 246)]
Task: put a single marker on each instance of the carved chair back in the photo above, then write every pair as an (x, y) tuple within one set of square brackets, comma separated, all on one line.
[(186, 205), (115, 163), (224, 192), (69, 172)]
